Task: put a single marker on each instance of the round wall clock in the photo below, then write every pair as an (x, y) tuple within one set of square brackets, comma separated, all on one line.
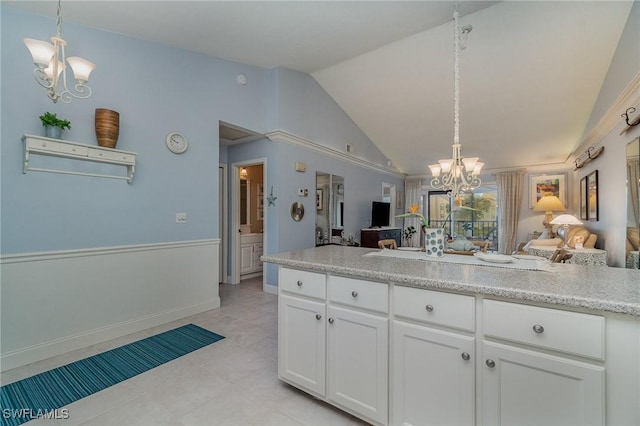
[(177, 143)]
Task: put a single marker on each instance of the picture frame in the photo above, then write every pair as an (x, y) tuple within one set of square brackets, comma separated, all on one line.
[(584, 197), (399, 200), (556, 184), (592, 193), (318, 199)]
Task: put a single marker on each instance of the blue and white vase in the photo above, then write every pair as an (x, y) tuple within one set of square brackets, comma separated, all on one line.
[(434, 242)]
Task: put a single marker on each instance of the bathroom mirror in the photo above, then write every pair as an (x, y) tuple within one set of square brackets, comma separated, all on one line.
[(245, 201), (633, 204), (329, 208)]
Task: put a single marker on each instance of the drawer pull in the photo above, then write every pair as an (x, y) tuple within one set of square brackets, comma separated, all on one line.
[(318, 317), (354, 293), (330, 320), (538, 329), (491, 363), (466, 356), (299, 283), (429, 308)]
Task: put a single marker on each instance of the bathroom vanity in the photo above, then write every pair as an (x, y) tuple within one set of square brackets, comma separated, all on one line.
[(417, 342)]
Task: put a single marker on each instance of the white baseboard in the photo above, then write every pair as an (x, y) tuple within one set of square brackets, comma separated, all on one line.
[(270, 288), (55, 302), (59, 346)]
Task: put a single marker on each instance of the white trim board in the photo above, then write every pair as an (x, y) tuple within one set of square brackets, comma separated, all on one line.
[(283, 136)]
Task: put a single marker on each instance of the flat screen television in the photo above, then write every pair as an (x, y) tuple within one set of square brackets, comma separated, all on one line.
[(380, 214)]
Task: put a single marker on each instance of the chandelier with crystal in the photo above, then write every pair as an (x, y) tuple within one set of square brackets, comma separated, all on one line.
[(50, 61), (457, 174)]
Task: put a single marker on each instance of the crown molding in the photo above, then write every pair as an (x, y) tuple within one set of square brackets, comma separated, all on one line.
[(288, 138), (629, 97)]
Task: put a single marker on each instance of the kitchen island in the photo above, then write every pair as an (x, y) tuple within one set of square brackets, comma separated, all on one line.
[(398, 340)]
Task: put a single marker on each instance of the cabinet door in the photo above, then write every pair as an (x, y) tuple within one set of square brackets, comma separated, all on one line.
[(357, 365), (258, 249), (246, 258), (301, 343), (523, 387), (433, 377)]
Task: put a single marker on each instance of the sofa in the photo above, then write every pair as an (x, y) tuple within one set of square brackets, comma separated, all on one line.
[(590, 238)]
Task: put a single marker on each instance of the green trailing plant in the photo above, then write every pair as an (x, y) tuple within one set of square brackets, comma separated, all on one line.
[(50, 119)]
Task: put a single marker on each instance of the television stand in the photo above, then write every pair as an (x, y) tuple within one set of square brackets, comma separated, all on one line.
[(369, 237)]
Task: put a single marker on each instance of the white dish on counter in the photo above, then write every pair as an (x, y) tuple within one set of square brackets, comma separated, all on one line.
[(494, 258)]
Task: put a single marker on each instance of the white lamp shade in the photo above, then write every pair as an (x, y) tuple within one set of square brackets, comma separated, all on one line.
[(81, 68), (469, 163), (41, 51), (445, 165), (435, 169), (566, 219), (49, 70), (549, 203)]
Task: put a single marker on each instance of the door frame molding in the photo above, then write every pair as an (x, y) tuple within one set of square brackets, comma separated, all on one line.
[(235, 214)]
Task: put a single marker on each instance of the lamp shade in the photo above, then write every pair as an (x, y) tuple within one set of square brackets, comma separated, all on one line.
[(41, 51), (549, 203), (566, 219)]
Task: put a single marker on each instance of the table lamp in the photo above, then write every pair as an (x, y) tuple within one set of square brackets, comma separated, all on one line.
[(565, 220), (548, 204)]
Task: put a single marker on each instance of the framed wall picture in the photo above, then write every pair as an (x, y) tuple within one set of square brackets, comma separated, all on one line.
[(584, 196), (318, 199), (592, 194), (554, 184)]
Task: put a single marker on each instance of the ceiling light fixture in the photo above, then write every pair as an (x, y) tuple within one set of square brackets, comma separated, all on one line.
[(50, 58), (457, 174)]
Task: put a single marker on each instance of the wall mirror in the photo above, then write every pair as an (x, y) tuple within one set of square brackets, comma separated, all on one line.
[(633, 204), (245, 201), (329, 208)]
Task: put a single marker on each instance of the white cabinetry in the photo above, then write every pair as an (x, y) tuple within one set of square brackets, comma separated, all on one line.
[(358, 347), (348, 347), (523, 386), (251, 248), (433, 369)]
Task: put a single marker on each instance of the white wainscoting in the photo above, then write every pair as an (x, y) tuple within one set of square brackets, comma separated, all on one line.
[(55, 302)]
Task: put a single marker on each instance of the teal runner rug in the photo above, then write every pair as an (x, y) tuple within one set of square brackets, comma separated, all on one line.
[(44, 394)]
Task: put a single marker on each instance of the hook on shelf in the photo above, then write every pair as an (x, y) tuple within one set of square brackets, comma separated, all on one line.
[(633, 122), (592, 154)]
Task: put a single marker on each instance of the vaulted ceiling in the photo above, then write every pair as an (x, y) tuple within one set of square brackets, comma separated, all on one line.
[(530, 74)]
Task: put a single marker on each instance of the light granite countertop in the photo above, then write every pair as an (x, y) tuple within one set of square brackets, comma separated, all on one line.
[(599, 288)]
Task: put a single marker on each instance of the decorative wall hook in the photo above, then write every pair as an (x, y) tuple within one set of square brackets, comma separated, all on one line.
[(592, 154), (630, 123)]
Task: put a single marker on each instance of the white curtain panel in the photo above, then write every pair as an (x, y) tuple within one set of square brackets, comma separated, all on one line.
[(412, 190), (510, 186)]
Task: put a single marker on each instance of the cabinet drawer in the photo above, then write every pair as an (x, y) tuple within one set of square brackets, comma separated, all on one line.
[(362, 294), (112, 156), (75, 150), (41, 145), (303, 283), (570, 332), (435, 307)]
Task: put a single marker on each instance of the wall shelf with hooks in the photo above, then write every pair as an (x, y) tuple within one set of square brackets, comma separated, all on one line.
[(39, 145)]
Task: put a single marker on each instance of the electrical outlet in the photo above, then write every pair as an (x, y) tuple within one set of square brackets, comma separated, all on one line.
[(181, 218)]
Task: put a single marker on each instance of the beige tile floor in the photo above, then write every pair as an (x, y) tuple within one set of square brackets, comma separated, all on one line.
[(231, 382)]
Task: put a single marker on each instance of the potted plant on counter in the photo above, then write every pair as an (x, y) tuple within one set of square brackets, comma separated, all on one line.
[(53, 126)]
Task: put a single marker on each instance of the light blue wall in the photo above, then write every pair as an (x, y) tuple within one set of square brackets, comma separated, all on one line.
[(623, 68), (306, 110), (156, 89)]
